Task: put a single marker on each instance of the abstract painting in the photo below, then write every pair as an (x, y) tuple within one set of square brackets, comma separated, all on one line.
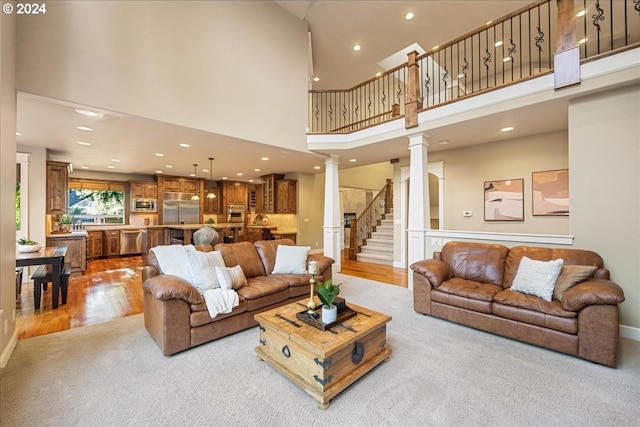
[(550, 192), (503, 200)]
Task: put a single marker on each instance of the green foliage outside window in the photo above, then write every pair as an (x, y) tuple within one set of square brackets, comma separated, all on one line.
[(17, 206)]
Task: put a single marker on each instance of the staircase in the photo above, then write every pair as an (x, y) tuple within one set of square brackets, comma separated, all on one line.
[(378, 248)]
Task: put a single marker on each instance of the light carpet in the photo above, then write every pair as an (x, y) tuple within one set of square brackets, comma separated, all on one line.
[(439, 374)]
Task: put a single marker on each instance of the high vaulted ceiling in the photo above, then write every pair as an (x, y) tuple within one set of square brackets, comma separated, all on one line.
[(379, 27)]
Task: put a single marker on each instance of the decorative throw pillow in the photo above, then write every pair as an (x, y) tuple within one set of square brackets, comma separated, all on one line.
[(203, 268), (537, 277), (231, 277), (571, 275), (291, 259), (173, 259)]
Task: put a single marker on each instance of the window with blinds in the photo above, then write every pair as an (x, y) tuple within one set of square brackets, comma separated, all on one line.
[(96, 201)]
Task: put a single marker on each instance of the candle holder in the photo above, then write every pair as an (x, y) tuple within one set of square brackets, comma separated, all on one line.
[(313, 270)]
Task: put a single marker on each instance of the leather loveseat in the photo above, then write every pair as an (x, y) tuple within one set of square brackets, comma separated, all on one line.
[(176, 315), (469, 283)]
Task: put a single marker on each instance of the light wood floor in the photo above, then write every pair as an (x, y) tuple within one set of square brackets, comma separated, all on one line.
[(110, 288)]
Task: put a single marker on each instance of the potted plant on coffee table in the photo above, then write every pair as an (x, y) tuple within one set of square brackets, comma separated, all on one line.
[(327, 292)]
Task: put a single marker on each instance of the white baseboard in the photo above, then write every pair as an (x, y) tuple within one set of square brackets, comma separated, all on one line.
[(8, 350), (630, 332)]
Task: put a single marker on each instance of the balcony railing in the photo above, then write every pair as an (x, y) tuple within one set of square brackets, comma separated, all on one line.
[(517, 47)]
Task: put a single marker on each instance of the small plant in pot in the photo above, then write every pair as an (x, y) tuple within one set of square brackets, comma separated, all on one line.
[(65, 222), (327, 292)]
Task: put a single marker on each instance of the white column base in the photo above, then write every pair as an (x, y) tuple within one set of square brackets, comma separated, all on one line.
[(332, 245), (416, 250)]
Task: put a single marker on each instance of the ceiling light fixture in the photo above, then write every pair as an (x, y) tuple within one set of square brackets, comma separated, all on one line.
[(159, 155), (195, 195), (461, 75), (84, 143), (357, 47), (499, 43), (185, 145), (316, 79), (507, 129), (409, 16), (444, 142), (115, 160), (583, 41), (159, 171), (111, 167), (378, 74), (582, 13), (18, 134), (87, 113), (211, 194), (264, 158), (353, 160), (316, 167), (168, 166), (84, 128)]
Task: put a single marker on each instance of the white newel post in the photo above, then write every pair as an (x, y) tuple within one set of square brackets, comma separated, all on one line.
[(419, 211), (332, 226)]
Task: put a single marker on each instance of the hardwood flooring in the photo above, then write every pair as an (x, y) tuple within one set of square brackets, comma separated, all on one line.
[(110, 288)]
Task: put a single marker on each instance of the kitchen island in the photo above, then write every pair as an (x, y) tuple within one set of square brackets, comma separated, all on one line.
[(156, 235)]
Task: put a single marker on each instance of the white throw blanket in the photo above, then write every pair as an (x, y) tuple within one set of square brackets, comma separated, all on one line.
[(220, 301)]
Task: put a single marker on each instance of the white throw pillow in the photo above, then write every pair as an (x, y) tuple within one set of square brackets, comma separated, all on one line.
[(173, 259), (231, 277), (203, 268), (291, 259), (537, 277)]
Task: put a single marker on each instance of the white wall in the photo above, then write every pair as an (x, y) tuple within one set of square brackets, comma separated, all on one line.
[(604, 150), (467, 169), (8, 336), (235, 68)]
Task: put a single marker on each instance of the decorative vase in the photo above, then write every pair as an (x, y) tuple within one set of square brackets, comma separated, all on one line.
[(329, 314), (206, 236)]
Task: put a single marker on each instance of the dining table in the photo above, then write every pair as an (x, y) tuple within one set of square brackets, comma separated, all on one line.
[(50, 255)]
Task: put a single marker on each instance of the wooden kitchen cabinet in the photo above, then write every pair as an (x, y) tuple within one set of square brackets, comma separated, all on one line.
[(157, 236), (234, 193), (286, 196), (57, 188), (94, 244), (143, 190), (269, 192), (76, 250), (212, 206), (111, 243), (178, 184), (254, 197)]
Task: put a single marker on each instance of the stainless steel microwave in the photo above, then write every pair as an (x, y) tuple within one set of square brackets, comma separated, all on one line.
[(144, 205)]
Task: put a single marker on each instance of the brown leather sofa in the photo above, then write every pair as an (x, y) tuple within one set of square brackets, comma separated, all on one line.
[(176, 316), (469, 283)]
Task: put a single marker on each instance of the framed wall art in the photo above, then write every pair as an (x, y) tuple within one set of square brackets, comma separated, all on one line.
[(503, 200), (550, 192)]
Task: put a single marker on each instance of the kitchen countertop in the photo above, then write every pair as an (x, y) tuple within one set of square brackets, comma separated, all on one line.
[(74, 233), (196, 226)]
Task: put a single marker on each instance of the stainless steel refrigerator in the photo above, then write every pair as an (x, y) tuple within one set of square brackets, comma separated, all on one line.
[(178, 208)]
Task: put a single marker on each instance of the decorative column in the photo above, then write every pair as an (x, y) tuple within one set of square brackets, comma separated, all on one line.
[(332, 224), (404, 207), (566, 59), (419, 211)]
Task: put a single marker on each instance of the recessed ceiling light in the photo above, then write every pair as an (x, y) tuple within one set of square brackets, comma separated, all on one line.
[(316, 167), (239, 174), (256, 170), (185, 145), (316, 79), (224, 177), (115, 160), (353, 160), (583, 41), (205, 170), (158, 171), (409, 16), (250, 180), (111, 167), (378, 74), (435, 47), (498, 43), (84, 167), (18, 134), (87, 113), (84, 128), (489, 23), (582, 13), (507, 129), (168, 166), (159, 155), (84, 143), (507, 59), (264, 158), (444, 142), (461, 75), (357, 47)]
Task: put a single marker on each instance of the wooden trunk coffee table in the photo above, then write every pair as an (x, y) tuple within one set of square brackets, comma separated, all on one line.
[(323, 363)]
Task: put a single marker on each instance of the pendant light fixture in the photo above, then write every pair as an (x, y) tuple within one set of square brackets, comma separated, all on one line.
[(211, 194), (195, 195)]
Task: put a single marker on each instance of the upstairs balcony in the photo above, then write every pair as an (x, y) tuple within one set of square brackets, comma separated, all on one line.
[(549, 36)]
